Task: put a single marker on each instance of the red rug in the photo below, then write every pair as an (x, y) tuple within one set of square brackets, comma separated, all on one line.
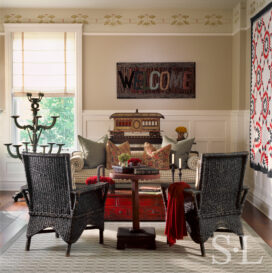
[(118, 206)]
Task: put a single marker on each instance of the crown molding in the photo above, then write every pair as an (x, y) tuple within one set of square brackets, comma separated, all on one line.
[(154, 34)]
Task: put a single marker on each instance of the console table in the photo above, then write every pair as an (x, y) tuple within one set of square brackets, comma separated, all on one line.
[(135, 236)]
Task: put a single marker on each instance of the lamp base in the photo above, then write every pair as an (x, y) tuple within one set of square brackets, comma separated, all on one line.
[(17, 196)]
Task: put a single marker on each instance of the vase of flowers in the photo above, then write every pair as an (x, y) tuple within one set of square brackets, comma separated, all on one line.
[(132, 162), (123, 159), (182, 133)]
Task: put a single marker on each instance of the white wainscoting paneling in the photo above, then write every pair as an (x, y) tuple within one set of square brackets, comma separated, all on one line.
[(211, 129), (214, 131)]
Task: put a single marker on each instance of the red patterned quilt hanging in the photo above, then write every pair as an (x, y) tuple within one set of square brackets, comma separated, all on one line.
[(261, 92)]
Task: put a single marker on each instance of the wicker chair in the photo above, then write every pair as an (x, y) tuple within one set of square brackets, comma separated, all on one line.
[(219, 200), (53, 203)]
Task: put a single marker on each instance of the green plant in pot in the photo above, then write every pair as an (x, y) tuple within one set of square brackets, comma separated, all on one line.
[(123, 159)]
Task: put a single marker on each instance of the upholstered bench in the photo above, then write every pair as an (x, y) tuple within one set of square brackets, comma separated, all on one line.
[(81, 172)]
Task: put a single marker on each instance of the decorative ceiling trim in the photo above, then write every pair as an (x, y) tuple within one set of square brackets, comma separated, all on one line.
[(155, 34), (168, 20), (159, 34)]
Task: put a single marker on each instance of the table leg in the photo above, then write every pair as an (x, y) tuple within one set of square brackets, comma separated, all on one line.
[(135, 202), (136, 237)]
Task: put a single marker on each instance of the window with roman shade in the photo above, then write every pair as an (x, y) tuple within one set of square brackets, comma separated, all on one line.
[(45, 58), (44, 62)]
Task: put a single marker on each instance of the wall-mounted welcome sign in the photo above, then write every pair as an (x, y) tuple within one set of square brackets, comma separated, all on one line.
[(155, 80)]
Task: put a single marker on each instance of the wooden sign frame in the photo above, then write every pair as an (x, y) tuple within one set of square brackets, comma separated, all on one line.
[(156, 80)]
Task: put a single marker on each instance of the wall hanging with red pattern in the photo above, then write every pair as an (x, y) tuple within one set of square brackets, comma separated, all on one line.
[(155, 80), (261, 92)]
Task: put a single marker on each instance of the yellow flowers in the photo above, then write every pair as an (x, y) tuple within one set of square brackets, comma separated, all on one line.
[(181, 129)]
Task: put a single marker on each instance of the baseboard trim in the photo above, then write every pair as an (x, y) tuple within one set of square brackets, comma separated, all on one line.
[(258, 203), (11, 185)]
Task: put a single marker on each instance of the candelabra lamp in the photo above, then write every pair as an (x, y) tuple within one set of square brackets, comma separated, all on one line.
[(173, 167), (34, 131), (180, 174)]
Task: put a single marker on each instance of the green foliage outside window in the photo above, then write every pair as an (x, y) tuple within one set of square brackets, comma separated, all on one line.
[(63, 131)]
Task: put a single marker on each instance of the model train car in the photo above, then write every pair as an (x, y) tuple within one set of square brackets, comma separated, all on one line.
[(136, 128)]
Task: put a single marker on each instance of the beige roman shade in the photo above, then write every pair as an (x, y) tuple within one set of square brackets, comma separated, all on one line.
[(44, 62)]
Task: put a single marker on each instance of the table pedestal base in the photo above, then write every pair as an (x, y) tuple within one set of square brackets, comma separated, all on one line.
[(142, 238)]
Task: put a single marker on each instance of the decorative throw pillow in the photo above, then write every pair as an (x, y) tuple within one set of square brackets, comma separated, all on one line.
[(181, 149), (113, 151), (158, 159), (94, 152)]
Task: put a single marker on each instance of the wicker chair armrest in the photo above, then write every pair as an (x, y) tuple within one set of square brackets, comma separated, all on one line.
[(195, 193), (90, 197), (244, 194), (85, 189), (192, 191)]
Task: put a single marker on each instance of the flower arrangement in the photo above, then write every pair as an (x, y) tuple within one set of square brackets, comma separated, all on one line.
[(134, 161), (181, 129), (182, 133), (123, 158), (93, 180)]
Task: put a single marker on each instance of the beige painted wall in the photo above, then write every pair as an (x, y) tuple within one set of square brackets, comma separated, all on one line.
[(240, 77), (2, 72), (213, 57), (247, 67), (235, 70)]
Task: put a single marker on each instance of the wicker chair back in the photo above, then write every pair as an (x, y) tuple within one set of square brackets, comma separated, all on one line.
[(49, 183), (221, 183)]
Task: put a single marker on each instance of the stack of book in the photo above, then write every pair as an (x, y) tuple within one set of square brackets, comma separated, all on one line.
[(145, 170), (139, 170)]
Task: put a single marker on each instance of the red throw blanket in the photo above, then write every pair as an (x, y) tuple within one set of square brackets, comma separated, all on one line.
[(175, 220)]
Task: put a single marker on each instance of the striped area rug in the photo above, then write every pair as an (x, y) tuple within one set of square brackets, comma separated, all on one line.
[(47, 254)]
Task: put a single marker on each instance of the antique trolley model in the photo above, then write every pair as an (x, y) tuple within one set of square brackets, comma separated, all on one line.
[(136, 128)]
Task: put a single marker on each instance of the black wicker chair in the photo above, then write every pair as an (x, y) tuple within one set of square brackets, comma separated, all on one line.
[(219, 200), (54, 204)]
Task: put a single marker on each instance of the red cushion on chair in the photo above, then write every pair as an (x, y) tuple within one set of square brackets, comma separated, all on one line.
[(93, 180)]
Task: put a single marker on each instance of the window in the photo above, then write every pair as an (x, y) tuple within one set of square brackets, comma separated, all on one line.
[(46, 61), (64, 129)]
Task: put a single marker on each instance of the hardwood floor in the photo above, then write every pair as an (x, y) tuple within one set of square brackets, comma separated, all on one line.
[(7, 203), (259, 222), (13, 219), (256, 219)]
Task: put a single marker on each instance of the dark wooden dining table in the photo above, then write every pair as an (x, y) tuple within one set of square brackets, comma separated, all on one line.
[(135, 236)]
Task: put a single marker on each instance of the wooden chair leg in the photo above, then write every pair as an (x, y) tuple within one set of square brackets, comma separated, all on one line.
[(203, 252), (68, 250), (28, 242), (101, 236), (241, 242)]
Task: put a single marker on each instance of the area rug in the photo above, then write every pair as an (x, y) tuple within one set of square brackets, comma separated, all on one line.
[(47, 254)]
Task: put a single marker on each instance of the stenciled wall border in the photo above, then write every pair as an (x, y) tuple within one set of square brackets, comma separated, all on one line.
[(118, 20)]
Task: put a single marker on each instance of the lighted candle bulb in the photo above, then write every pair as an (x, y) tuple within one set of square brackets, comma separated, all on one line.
[(173, 159), (180, 167)]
